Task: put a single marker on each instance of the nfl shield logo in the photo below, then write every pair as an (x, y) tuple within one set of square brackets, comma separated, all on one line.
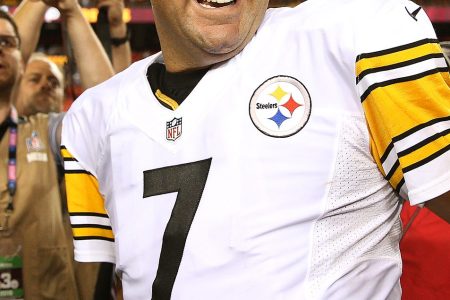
[(173, 129), (34, 142)]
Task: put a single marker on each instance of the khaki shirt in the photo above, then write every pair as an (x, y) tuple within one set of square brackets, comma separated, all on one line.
[(39, 225)]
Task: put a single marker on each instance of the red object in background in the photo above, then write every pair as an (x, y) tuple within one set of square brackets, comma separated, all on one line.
[(425, 251)]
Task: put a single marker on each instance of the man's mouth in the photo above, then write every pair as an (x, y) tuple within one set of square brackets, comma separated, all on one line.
[(215, 3)]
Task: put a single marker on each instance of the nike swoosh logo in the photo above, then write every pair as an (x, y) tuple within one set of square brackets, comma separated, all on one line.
[(414, 13)]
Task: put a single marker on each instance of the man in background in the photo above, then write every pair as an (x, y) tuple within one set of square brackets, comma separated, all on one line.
[(35, 220), (42, 87)]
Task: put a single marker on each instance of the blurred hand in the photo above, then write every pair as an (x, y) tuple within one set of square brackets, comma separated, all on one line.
[(115, 10), (62, 5)]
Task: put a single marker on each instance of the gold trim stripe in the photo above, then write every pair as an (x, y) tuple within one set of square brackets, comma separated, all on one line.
[(65, 153), (97, 232), (83, 195), (166, 99)]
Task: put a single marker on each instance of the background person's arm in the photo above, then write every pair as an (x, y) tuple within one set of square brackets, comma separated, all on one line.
[(120, 54), (91, 59), (29, 16)]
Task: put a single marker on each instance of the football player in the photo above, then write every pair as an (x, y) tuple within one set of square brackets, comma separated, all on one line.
[(263, 154)]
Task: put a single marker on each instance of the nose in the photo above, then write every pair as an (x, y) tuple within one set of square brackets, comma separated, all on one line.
[(46, 84)]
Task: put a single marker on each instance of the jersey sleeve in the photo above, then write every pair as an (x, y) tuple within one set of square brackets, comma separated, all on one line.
[(82, 137), (403, 83)]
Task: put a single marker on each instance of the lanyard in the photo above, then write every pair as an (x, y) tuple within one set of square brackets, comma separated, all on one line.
[(12, 168)]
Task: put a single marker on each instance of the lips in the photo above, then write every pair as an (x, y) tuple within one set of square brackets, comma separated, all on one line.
[(216, 3)]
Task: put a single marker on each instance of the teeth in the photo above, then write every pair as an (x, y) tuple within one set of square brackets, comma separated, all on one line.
[(220, 1), (215, 3)]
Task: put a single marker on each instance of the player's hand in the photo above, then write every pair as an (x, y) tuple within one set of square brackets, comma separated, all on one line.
[(115, 11)]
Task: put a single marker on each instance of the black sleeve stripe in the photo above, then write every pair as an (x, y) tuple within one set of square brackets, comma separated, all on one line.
[(386, 152), (396, 49), (400, 185), (392, 171), (91, 226), (77, 172), (88, 214), (423, 143), (419, 127), (81, 238), (70, 159), (398, 65)]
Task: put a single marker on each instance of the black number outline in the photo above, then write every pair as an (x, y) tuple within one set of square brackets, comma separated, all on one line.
[(189, 181)]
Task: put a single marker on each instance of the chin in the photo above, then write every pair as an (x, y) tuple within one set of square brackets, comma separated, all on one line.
[(223, 46), (220, 39)]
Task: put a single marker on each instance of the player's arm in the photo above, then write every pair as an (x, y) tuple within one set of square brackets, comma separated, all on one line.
[(91, 59), (29, 16), (440, 206), (84, 131), (404, 85)]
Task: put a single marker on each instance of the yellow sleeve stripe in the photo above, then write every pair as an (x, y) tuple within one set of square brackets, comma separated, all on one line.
[(166, 99), (396, 178), (425, 154), (441, 72), (385, 107), (83, 195), (92, 233), (65, 153), (397, 54), (388, 60)]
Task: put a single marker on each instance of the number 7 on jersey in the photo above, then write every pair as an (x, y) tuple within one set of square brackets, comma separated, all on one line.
[(189, 181)]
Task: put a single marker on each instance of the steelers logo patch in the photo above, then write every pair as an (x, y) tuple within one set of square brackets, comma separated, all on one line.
[(280, 107)]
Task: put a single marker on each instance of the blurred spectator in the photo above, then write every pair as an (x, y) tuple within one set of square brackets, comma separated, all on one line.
[(33, 239), (41, 88), (41, 75), (34, 229), (91, 64)]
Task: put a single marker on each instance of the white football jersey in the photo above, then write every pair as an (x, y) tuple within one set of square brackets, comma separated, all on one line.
[(279, 176)]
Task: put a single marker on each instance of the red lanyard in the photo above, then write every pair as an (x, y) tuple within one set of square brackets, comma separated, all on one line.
[(12, 167)]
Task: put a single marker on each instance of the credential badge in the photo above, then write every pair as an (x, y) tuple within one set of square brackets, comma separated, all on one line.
[(173, 129), (280, 107)]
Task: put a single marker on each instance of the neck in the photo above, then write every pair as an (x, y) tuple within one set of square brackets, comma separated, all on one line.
[(5, 109), (21, 108)]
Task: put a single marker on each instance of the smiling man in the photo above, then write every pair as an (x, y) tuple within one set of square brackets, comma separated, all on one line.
[(207, 31), (263, 154)]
